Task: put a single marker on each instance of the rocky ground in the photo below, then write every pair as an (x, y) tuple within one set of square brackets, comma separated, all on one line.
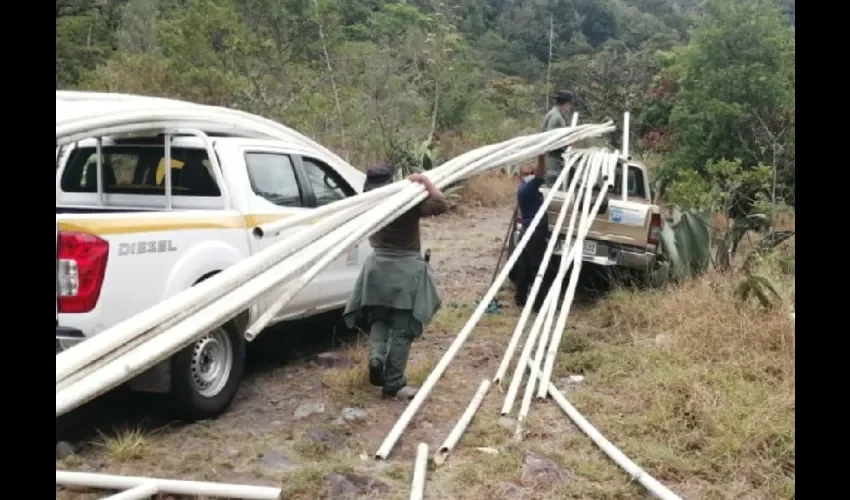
[(307, 420)]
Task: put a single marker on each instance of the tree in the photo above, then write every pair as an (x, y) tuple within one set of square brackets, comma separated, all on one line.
[(735, 81)]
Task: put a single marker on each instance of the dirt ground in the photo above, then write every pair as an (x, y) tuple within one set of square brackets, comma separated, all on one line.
[(311, 423)]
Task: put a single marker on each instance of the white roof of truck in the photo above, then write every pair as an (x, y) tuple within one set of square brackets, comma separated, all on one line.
[(82, 115)]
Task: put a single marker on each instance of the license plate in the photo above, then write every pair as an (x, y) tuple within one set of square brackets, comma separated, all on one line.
[(589, 248)]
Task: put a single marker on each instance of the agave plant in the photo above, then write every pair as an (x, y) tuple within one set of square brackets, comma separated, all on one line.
[(686, 244), (686, 247)]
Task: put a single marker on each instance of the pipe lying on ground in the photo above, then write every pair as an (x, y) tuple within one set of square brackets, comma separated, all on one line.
[(632, 469), (571, 290), (437, 372), (420, 468), (141, 491), (541, 271), (454, 436), (171, 486)]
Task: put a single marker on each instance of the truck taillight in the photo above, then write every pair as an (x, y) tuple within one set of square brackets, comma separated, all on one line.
[(79, 275), (654, 230)]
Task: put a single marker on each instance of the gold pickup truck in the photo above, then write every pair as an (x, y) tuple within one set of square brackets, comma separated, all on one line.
[(625, 233)]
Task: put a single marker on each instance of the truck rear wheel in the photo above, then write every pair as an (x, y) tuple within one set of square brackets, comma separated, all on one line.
[(205, 376)]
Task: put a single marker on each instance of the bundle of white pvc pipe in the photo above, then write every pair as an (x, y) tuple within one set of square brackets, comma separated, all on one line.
[(136, 344)]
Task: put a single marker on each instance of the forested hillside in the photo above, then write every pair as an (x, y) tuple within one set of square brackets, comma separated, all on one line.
[(385, 80)]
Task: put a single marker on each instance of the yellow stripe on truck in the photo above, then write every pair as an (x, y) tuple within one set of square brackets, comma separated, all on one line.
[(157, 224)]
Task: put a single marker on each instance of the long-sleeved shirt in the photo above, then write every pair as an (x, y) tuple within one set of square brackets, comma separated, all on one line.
[(403, 233), (530, 199), (554, 119)]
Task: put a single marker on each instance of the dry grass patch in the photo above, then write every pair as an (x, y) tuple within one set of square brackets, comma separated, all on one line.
[(490, 189), (695, 386), (350, 384), (125, 445)]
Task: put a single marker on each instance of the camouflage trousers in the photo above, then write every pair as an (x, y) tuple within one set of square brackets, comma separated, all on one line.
[(391, 332)]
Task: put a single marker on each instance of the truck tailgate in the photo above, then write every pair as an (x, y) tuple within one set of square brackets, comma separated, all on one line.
[(624, 222)]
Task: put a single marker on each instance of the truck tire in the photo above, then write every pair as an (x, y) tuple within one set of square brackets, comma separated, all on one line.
[(205, 376)]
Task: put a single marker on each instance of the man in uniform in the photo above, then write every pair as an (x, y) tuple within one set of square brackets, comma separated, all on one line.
[(395, 292), (555, 118)]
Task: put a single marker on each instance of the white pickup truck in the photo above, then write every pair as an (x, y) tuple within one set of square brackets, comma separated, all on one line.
[(130, 236)]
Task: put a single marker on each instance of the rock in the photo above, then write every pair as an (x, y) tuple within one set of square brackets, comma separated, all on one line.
[(332, 360), (510, 491), (508, 423), (307, 409), (540, 470), (276, 460), (277, 423), (354, 414), (344, 485), (64, 450), (327, 438), (231, 452), (662, 339)]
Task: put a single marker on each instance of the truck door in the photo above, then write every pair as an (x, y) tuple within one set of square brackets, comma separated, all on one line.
[(275, 192), (326, 186)]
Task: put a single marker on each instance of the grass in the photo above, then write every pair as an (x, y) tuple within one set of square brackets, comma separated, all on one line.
[(696, 387), (125, 445), (490, 189)]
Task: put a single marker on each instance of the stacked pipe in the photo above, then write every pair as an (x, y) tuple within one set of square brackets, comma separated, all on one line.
[(131, 347), (590, 168)]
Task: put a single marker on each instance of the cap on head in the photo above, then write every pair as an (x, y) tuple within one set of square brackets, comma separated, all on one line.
[(378, 175), (563, 97)]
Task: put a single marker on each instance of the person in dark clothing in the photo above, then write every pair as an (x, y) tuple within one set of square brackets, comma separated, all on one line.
[(529, 200), (395, 291)]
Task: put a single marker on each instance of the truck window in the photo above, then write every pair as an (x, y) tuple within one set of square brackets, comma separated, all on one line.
[(140, 169), (272, 177), (636, 187), (327, 185)]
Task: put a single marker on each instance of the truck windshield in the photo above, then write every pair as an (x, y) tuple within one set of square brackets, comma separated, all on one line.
[(636, 186), (635, 179), (140, 169)]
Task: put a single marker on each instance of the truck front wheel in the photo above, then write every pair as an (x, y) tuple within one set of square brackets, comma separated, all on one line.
[(206, 374)]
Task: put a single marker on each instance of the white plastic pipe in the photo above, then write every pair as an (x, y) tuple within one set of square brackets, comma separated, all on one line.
[(189, 301), (124, 367), (589, 181), (626, 116), (441, 178), (139, 492), (171, 486), (461, 425), (524, 355), (571, 288), (162, 346), (541, 271), (555, 287), (657, 489), (420, 469), (437, 372)]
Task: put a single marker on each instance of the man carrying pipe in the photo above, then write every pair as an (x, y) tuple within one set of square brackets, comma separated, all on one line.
[(395, 292), (529, 199), (556, 118)]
